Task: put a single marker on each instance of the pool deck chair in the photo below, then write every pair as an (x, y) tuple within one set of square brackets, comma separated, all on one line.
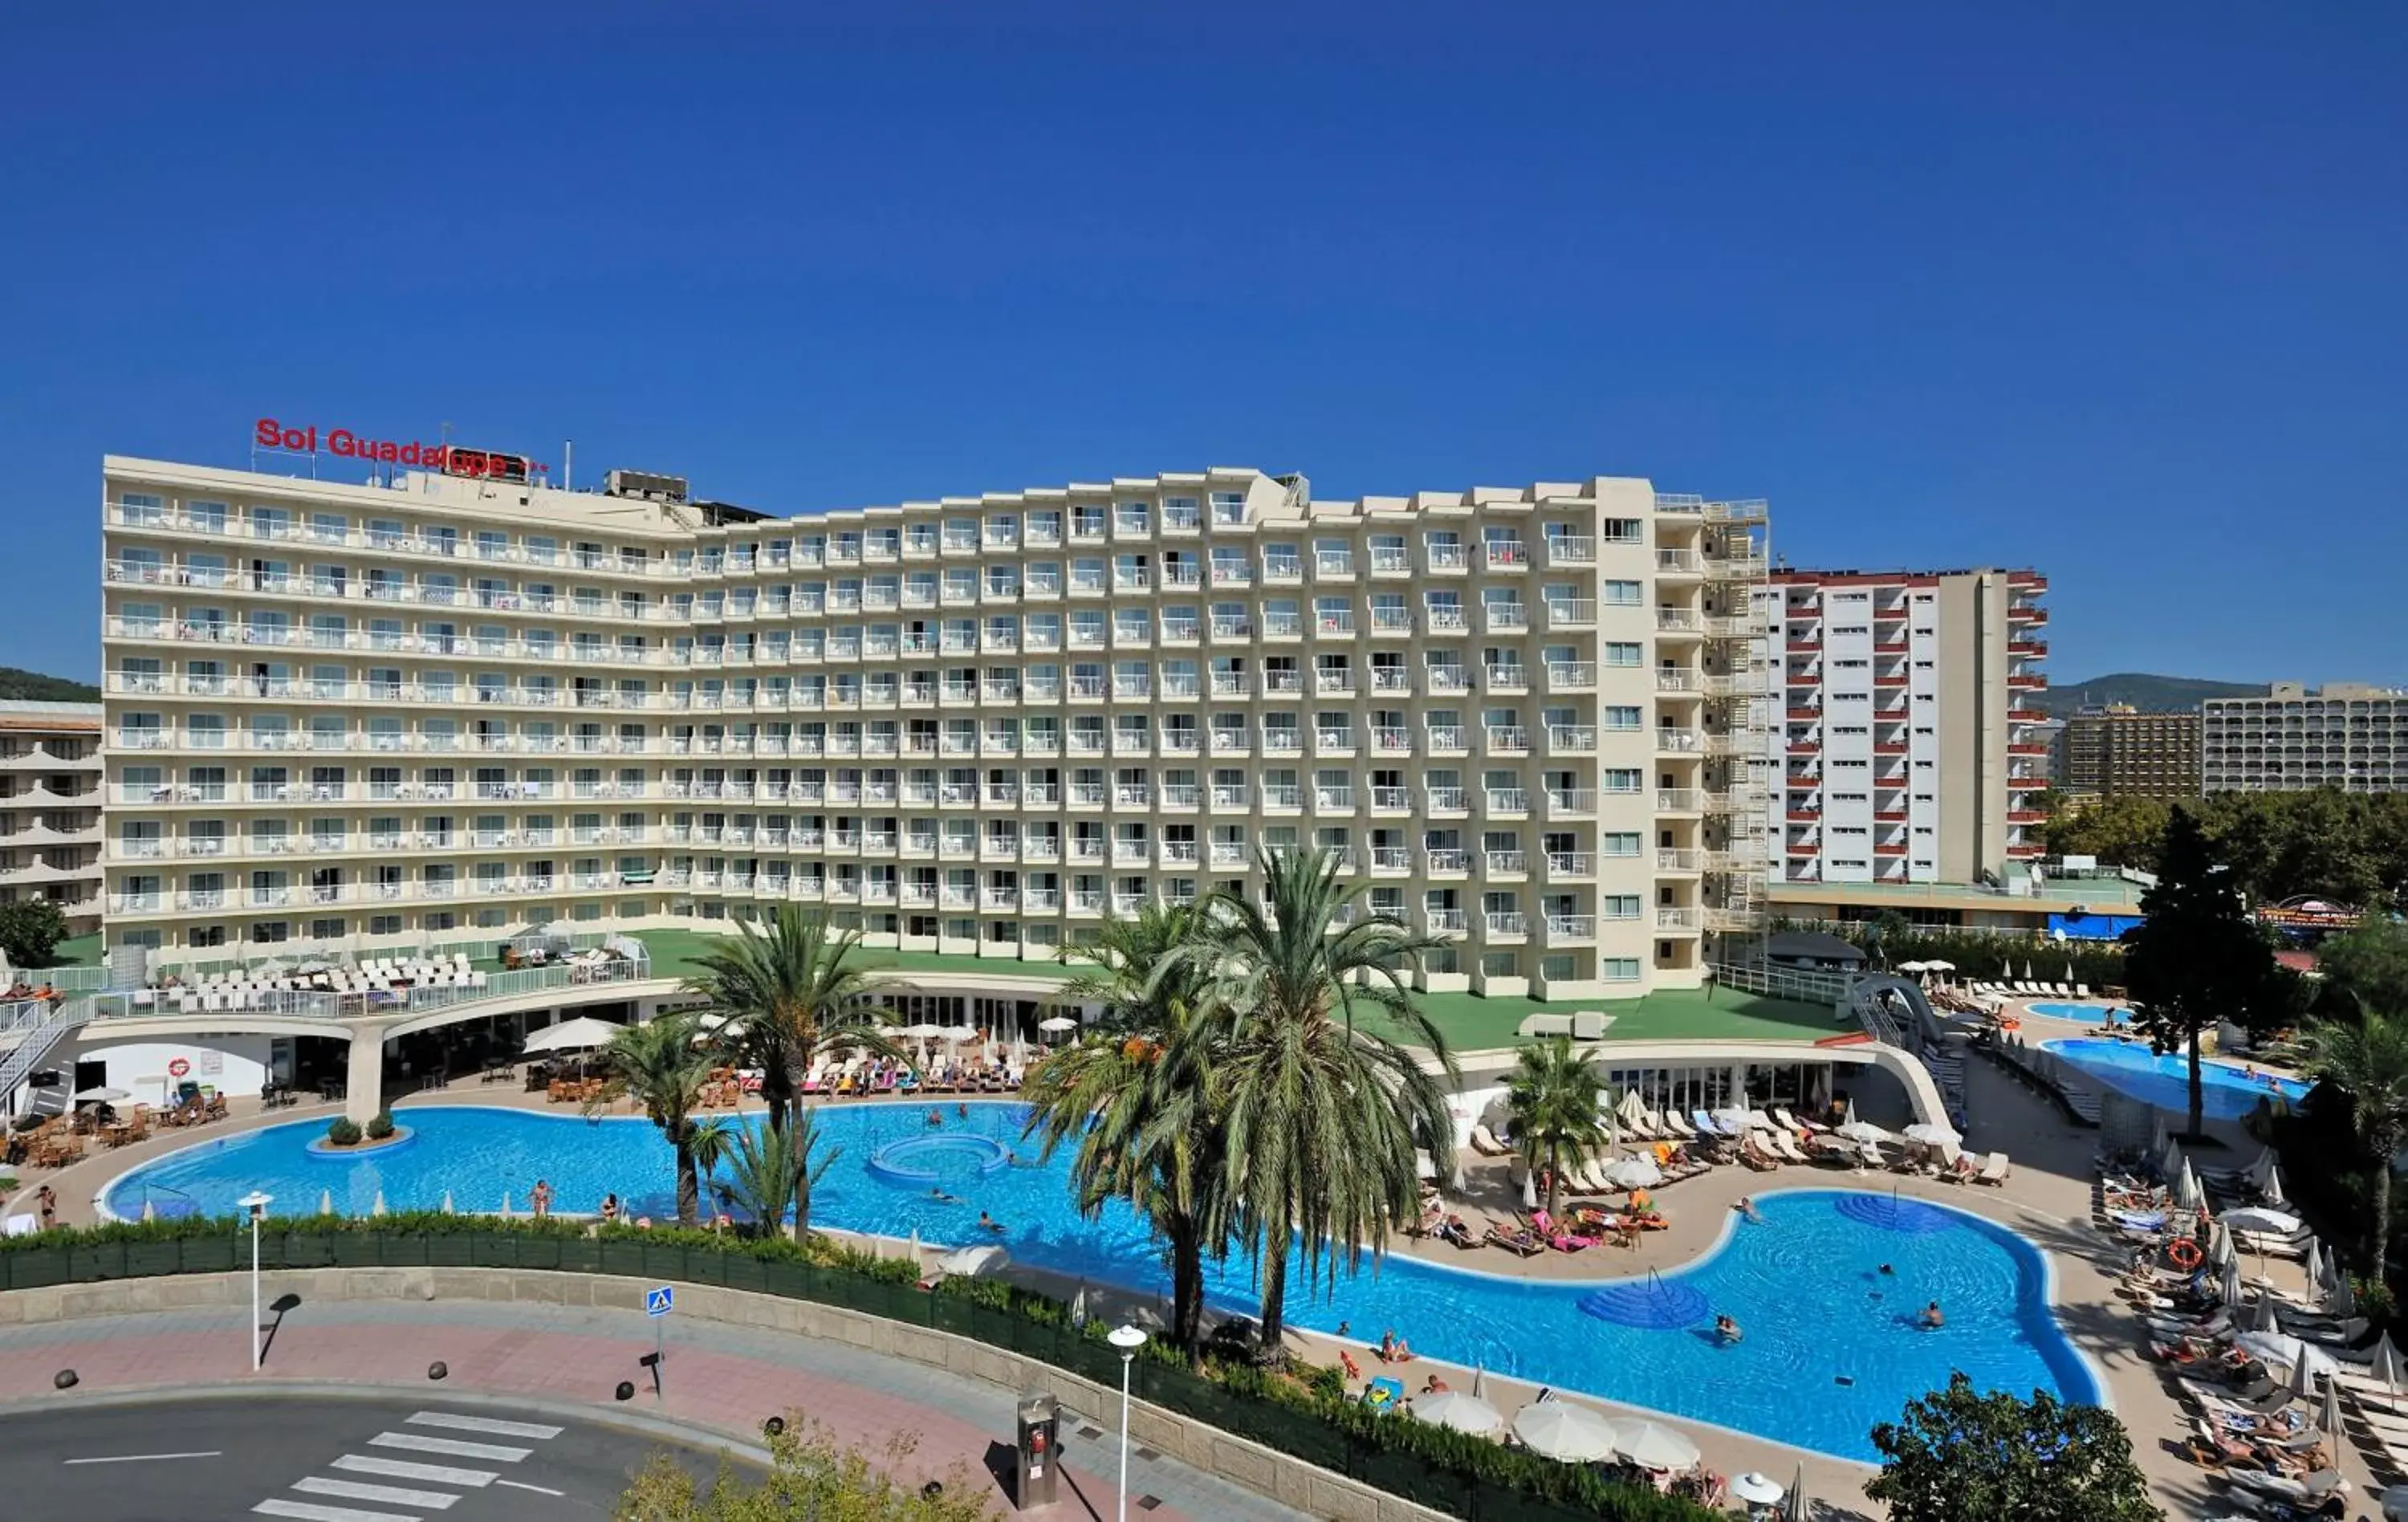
[(1674, 1126), (2082, 990), (1705, 1124), (1993, 1169)]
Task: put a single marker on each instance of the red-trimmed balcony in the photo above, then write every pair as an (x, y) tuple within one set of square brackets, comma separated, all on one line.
[(1897, 680), (2026, 747), (2030, 649), (1804, 647), (2027, 581), (1889, 644), (1805, 816), (2029, 784), (2027, 612), (2030, 682), (2026, 816), (1805, 747), (2026, 715), (1898, 849), (1889, 747), (1805, 848), (1805, 715)]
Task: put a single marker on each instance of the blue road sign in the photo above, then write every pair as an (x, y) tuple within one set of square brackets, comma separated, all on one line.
[(659, 1302)]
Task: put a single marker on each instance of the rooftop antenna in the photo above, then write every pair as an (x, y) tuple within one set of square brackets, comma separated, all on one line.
[(568, 465)]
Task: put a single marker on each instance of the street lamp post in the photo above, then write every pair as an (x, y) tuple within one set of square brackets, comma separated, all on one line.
[(1128, 1339), (256, 1205)]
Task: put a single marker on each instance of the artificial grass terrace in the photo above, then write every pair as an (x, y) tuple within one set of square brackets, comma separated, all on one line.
[(1470, 1021)]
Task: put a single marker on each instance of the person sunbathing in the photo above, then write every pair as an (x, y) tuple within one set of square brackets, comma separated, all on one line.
[(1393, 1349), (1435, 1386)]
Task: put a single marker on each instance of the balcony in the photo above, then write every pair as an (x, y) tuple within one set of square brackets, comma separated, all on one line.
[(1507, 924), (1572, 929)]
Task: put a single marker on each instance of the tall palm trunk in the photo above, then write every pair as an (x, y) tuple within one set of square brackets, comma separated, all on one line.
[(2197, 1087), (2378, 1250), (1187, 1284), (802, 1192), (1274, 1271), (689, 1184), (1554, 1182)]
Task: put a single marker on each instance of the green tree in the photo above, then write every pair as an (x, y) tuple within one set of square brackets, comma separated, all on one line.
[(1320, 1116), (1553, 1097), (2368, 966), (790, 995), (664, 1066), (2199, 957), (30, 932), (811, 1474), (1147, 1130), (773, 1170), (1960, 1456), (2368, 1060), (2122, 830)]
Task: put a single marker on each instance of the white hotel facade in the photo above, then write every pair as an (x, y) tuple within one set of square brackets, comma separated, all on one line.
[(344, 717)]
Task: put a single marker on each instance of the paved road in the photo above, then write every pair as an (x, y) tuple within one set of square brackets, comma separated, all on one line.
[(335, 1460)]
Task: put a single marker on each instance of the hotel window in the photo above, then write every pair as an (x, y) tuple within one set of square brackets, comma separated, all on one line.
[(1621, 653), (1618, 843), (1618, 969), (1619, 594)]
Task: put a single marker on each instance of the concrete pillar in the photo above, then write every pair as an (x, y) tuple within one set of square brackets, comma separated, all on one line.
[(366, 1095)]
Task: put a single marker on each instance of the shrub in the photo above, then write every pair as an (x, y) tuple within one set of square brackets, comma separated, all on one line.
[(344, 1131), (381, 1127)]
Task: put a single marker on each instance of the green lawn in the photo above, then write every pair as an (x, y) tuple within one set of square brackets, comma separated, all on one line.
[(1468, 1022), (77, 951)]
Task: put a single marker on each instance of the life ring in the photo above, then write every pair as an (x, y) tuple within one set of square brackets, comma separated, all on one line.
[(178, 1067), (2183, 1254)]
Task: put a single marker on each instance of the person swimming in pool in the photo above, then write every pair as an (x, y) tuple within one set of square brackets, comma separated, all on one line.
[(988, 1222), (1727, 1330), (1746, 1207), (1932, 1320), (940, 1196)]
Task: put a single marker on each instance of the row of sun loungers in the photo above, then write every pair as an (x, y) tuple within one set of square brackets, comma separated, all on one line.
[(2025, 988)]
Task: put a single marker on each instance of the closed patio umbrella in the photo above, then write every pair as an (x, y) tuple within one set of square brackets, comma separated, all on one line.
[(2272, 1190), (2263, 1318), (2389, 1366), (2328, 1414), (1796, 1510), (2231, 1286), (1562, 1431)]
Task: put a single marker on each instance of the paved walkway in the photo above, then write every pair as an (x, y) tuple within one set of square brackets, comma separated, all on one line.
[(717, 1378)]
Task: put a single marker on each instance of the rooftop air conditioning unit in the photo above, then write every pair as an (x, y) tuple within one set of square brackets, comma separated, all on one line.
[(646, 486)]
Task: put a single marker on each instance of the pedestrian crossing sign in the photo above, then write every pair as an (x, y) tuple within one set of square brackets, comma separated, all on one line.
[(657, 1302)]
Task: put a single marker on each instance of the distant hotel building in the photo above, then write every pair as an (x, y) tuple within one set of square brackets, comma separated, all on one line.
[(2116, 749), (353, 716), (1903, 745), (2345, 734), (50, 808)]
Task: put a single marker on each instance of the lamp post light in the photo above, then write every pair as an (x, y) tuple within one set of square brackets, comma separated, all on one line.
[(1128, 1339), (256, 1205)]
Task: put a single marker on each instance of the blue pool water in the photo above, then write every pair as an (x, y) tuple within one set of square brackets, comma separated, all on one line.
[(2226, 1092), (2088, 1014), (1830, 1345)]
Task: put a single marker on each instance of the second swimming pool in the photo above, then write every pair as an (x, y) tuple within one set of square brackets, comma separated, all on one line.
[(1830, 1346), (2227, 1092)]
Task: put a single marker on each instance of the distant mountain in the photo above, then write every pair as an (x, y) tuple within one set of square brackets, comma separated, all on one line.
[(2149, 694), (34, 687)]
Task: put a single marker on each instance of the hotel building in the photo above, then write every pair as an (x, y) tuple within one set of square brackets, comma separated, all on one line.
[(1904, 746), (2344, 735), (350, 717), (2115, 749), (50, 808)]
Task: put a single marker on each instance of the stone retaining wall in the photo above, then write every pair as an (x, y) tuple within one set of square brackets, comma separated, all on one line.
[(1289, 1481)]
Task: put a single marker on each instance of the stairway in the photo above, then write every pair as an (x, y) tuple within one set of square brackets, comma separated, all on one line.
[(37, 1045)]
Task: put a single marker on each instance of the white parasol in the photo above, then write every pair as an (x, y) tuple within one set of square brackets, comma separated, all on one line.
[(969, 1262), (2263, 1222), (1650, 1445), (1056, 1024), (1757, 1490), (1932, 1134), (958, 1033), (1863, 1130), (100, 1096), (2271, 1190), (1463, 1413), (1562, 1431), (579, 1034), (1633, 1173), (1797, 1496), (2280, 1350)]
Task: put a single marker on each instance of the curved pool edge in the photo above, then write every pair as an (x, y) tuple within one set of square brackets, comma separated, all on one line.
[(2064, 1357)]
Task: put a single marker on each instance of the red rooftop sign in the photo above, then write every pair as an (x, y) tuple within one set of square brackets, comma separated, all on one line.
[(451, 459)]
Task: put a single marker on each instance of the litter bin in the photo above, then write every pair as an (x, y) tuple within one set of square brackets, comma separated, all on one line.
[(1038, 1465)]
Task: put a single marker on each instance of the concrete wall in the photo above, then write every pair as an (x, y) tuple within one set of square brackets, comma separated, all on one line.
[(1292, 1483), (228, 1064)]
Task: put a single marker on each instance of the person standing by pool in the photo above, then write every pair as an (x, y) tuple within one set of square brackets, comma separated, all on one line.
[(540, 1198), (46, 1199), (609, 1209)]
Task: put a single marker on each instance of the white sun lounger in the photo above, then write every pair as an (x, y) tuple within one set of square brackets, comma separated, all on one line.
[(1675, 1126), (1993, 1169), (1484, 1142)]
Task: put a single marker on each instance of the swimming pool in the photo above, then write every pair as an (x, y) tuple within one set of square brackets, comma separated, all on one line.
[(2088, 1014), (1830, 1345), (2226, 1092)]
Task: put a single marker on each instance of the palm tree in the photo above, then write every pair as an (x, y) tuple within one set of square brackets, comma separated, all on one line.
[(1553, 1097), (1320, 1118), (2369, 1060), (662, 1067), (771, 1171), (1144, 1128), (788, 996)]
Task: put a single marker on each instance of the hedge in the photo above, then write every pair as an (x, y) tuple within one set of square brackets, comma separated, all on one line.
[(1448, 1471)]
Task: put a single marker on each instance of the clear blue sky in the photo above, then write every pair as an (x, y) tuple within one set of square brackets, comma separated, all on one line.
[(2116, 291)]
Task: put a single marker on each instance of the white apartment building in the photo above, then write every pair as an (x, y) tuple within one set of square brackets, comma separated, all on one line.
[(353, 716), (1907, 742), (2345, 734), (50, 808)]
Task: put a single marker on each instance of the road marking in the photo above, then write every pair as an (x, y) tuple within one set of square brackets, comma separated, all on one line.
[(486, 1424), (401, 1469), (308, 1513), (394, 1494), (492, 1452), (144, 1458), (539, 1489)]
